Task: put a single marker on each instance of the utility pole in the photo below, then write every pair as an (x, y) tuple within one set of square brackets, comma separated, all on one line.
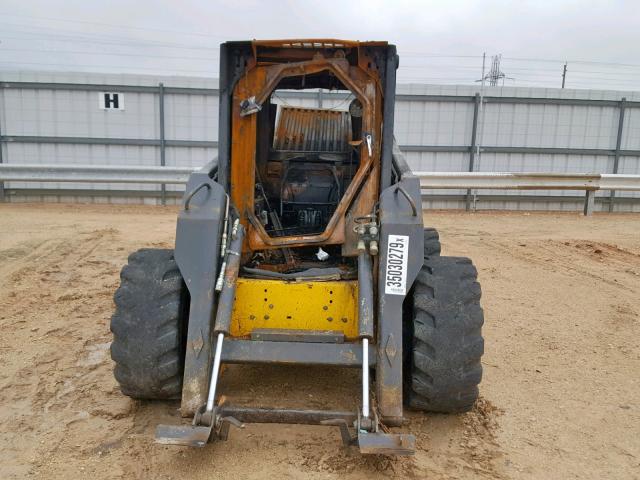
[(564, 73), (481, 107)]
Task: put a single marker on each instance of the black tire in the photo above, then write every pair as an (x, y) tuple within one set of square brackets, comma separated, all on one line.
[(431, 242), (149, 326), (443, 333)]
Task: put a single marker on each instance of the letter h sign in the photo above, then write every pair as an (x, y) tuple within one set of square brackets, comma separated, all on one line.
[(111, 101)]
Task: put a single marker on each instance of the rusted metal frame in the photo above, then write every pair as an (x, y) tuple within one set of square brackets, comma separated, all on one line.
[(321, 43), (298, 353), (616, 158), (283, 415), (335, 65), (356, 182)]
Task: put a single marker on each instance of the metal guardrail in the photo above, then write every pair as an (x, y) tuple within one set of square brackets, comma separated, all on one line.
[(589, 182), (529, 181), (428, 180), (94, 174)]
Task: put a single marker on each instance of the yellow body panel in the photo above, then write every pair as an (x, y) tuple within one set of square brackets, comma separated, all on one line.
[(295, 305)]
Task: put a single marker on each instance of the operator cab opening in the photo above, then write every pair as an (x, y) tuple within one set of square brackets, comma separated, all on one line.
[(306, 156)]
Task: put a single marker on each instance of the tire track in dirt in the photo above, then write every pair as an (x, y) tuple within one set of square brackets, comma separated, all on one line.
[(557, 396), (61, 272), (571, 256)]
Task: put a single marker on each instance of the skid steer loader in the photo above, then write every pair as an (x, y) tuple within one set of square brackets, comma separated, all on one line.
[(302, 244)]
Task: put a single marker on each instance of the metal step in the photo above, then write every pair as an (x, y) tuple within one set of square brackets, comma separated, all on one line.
[(294, 335)]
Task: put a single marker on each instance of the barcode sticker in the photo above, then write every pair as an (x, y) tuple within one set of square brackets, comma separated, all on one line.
[(397, 261)]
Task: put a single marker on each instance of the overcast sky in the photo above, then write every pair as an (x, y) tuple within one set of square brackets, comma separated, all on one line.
[(439, 41)]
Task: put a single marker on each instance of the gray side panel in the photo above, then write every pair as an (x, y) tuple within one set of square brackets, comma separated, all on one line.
[(396, 218), (197, 250)]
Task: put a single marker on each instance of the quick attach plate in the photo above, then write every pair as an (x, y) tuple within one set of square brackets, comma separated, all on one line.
[(199, 433), (187, 435), (375, 442), (386, 443)]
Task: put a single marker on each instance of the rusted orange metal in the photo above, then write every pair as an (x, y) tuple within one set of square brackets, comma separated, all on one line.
[(273, 61), (313, 130)]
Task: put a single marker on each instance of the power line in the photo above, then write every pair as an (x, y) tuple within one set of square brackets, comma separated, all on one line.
[(111, 25), (130, 67), (37, 30), (100, 39), (590, 62), (207, 35), (77, 52), (131, 44), (427, 55)]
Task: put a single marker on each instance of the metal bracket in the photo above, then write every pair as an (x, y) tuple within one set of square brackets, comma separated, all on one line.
[(347, 439), (206, 427), (386, 443), (371, 439)]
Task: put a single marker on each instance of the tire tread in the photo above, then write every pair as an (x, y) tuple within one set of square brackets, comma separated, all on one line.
[(444, 368), (148, 326)]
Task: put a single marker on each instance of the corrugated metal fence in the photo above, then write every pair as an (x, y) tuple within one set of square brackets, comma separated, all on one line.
[(57, 118)]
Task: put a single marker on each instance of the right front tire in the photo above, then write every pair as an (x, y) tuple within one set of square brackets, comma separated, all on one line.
[(444, 338)]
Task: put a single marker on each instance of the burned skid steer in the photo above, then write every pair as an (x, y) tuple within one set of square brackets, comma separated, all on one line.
[(302, 244)]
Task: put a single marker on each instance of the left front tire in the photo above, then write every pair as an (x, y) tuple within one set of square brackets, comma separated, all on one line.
[(149, 326)]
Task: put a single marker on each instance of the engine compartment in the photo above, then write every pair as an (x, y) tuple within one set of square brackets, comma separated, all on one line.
[(308, 160)]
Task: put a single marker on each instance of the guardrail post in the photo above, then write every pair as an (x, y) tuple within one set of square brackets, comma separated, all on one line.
[(163, 187), (319, 98), (472, 149), (2, 199), (589, 202), (616, 155)]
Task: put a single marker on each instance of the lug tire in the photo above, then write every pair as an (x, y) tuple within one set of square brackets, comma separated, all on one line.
[(431, 242), (149, 326), (443, 337)]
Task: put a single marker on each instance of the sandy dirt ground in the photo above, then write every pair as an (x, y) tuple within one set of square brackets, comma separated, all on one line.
[(560, 396)]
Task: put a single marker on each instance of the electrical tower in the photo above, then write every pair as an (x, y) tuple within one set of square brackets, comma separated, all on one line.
[(495, 74)]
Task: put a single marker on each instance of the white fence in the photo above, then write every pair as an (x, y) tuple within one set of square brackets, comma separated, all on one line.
[(56, 118)]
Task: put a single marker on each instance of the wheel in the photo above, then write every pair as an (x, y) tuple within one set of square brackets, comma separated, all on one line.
[(443, 338), (149, 326), (431, 242)]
